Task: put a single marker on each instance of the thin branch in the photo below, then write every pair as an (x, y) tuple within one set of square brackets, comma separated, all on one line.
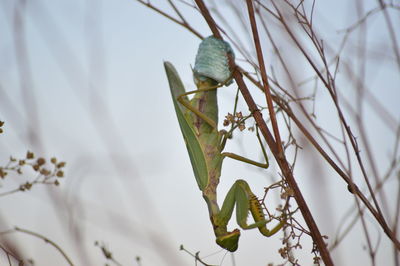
[(331, 89), (350, 185), (195, 256), (9, 253), (282, 162), (329, 83), (177, 12), (184, 24), (392, 33), (264, 78), (47, 241)]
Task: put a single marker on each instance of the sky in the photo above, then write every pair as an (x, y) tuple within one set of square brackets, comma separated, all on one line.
[(85, 82)]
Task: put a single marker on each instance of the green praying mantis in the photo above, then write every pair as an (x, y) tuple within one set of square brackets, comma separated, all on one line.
[(198, 120)]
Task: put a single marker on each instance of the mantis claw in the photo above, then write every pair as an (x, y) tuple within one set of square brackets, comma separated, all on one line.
[(229, 241)]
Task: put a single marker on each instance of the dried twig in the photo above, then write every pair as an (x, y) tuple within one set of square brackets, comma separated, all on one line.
[(280, 157)]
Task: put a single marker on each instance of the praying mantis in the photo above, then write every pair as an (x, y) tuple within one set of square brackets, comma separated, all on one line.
[(198, 120)]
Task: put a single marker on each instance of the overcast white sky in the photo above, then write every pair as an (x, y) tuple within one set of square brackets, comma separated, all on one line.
[(98, 98)]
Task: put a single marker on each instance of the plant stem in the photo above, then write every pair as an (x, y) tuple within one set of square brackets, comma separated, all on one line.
[(281, 160), (47, 241)]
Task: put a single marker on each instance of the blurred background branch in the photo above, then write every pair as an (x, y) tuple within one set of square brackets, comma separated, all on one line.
[(84, 80)]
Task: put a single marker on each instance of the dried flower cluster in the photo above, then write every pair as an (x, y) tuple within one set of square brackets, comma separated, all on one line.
[(235, 120), (48, 174)]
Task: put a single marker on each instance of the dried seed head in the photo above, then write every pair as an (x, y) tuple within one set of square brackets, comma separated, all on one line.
[(45, 172), (2, 173), (283, 252), (230, 118), (25, 186), (242, 126), (35, 167), (41, 161), (226, 123), (60, 174), (61, 164), (30, 155)]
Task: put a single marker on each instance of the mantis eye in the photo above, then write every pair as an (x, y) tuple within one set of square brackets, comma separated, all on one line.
[(212, 61)]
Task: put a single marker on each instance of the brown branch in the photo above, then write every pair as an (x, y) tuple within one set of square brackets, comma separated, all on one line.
[(47, 241), (264, 78), (281, 160), (392, 32), (331, 89), (182, 23), (351, 186)]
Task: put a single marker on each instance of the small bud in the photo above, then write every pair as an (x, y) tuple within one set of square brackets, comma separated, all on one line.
[(25, 186), (53, 160), (230, 117), (2, 173), (61, 164), (44, 172), (60, 174), (21, 162), (283, 252), (30, 155), (35, 167), (41, 161), (56, 183)]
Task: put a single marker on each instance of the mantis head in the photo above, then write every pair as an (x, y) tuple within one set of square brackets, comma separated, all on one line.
[(229, 241)]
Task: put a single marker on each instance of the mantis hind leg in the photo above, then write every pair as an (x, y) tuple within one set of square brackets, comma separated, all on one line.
[(241, 195)]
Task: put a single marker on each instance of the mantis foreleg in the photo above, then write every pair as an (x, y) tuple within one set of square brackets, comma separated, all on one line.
[(206, 86), (190, 106)]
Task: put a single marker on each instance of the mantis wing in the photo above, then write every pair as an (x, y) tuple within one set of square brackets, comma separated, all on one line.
[(192, 144)]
